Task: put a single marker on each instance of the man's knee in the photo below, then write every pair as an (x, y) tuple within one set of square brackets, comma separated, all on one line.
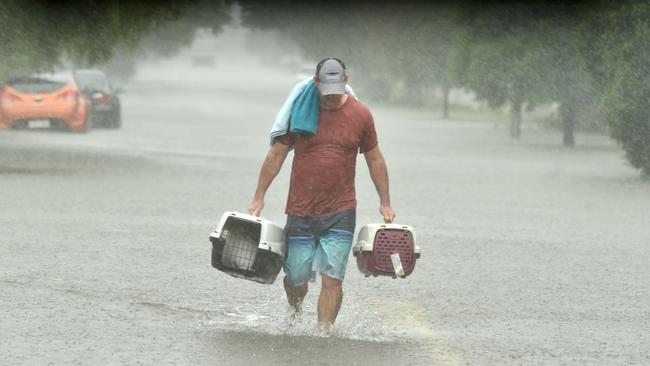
[(292, 287), (296, 279), (331, 283)]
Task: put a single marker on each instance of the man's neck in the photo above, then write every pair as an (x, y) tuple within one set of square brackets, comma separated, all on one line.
[(333, 103)]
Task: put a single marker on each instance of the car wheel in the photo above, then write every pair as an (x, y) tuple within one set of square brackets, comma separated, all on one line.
[(116, 120), (84, 128)]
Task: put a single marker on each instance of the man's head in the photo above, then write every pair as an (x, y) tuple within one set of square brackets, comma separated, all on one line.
[(331, 77)]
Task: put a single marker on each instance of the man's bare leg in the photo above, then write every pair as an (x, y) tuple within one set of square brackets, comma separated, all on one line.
[(329, 302), (295, 295)]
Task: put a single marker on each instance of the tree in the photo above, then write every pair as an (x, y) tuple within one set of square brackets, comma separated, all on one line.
[(23, 44), (616, 40), (566, 80), (36, 34), (500, 57), (389, 46), (428, 35)]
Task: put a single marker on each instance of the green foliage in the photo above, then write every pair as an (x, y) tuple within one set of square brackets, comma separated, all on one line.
[(385, 44), (622, 65), (567, 81), (36, 34), (501, 57), (428, 38), (22, 42), (588, 57), (592, 58), (528, 53)]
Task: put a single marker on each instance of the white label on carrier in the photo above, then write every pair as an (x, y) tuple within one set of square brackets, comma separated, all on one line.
[(397, 264)]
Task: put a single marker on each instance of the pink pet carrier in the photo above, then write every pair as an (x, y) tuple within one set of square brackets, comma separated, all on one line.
[(386, 250)]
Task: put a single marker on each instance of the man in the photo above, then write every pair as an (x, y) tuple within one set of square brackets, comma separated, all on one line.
[(321, 206)]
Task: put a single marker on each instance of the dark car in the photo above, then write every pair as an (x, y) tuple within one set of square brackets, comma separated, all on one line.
[(105, 102)]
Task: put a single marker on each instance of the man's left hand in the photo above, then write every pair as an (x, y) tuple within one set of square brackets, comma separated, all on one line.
[(388, 213)]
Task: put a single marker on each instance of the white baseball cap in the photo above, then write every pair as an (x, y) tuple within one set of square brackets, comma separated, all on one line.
[(330, 73)]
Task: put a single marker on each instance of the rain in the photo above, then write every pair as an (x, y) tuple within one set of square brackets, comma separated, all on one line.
[(517, 142)]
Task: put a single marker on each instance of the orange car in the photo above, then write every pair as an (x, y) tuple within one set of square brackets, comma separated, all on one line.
[(43, 102)]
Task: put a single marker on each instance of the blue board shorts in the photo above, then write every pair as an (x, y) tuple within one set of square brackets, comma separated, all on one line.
[(318, 245)]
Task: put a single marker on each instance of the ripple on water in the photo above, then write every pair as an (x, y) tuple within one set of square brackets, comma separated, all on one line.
[(356, 323)]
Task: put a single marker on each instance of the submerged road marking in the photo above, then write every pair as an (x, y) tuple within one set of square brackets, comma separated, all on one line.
[(411, 319)]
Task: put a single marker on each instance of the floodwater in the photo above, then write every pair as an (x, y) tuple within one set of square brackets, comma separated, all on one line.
[(532, 254)]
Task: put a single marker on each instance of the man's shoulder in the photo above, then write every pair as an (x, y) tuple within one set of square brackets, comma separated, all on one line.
[(358, 106)]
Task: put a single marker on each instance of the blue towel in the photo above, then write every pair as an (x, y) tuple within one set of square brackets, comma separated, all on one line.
[(281, 125), (304, 112)]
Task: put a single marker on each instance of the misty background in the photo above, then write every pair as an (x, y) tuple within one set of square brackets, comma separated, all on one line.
[(578, 66)]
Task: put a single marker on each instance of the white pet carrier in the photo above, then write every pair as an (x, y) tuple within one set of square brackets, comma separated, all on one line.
[(248, 247)]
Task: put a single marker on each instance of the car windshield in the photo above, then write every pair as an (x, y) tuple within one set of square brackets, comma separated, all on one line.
[(36, 84), (91, 81)]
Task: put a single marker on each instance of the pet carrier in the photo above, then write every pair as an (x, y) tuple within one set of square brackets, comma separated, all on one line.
[(386, 250), (249, 247)]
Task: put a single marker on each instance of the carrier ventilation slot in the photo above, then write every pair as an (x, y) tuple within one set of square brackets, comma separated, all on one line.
[(388, 242)]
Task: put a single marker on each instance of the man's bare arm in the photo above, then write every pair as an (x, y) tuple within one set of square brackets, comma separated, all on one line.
[(379, 175), (270, 169)]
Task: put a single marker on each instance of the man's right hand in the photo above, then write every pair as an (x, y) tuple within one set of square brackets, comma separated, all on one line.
[(270, 168), (256, 207)]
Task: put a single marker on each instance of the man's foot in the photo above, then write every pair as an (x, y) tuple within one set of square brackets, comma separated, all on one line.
[(325, 328), (295, 295), (295, 313), (295, 316)]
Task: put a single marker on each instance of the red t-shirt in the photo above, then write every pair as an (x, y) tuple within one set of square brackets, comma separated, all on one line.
[(322, 175)]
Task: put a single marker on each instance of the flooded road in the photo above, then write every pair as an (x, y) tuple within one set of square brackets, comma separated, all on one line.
[(532, 254)]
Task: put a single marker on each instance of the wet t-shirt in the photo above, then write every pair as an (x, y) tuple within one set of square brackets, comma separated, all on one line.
[(322, 175)]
